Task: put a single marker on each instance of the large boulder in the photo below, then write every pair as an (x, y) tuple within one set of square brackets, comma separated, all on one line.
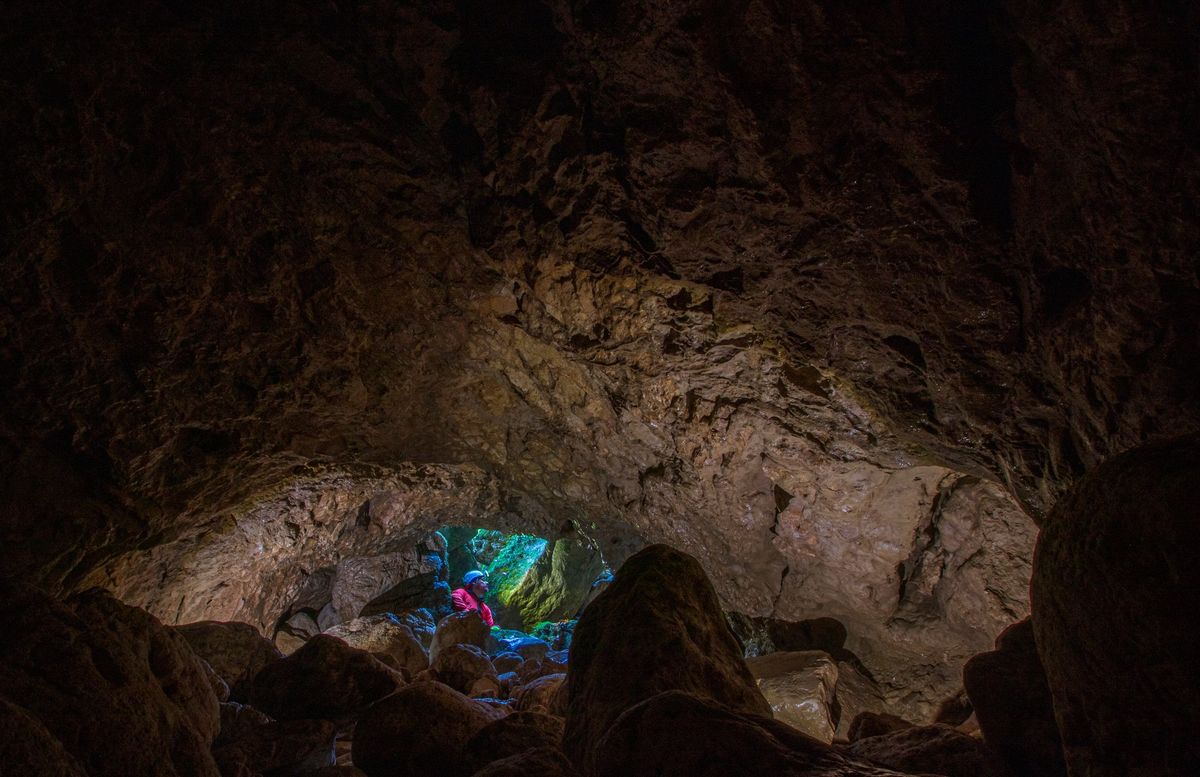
[(799, 686), (512, 735), (236, 652), (558, 581), (1008, 691), (287, 747), (538, 762), (677, 734), (385, 634), (27, 748), (1114, 601), (358, 580), (543, 694), (657, 627), (460, 666), (122, 694), (459, 628), (423, 591), (938, 749), (324, 679), (418, 731)]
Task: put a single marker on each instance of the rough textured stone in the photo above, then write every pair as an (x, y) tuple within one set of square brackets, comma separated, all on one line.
[(324, 679), (384, 634), (727, 277), (1008, 692), (799, 686), (29, 749), (512, 735), (237, 720), (418, 731), (872, 724), (539, 762), (937, 749), (557, 583), (460, 666), (235, 651), (542, 694), (507, 662), (676, 734), (288, 747), (121, 693), (1114, 603), (657, 627), (460, 628)]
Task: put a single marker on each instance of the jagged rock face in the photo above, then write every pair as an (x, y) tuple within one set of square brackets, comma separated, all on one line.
[(791, 287)]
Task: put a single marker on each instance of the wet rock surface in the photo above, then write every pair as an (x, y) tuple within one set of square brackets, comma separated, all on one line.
[(800, 688), (117, 691), (1113, 584), (630, 645), (324, 679)]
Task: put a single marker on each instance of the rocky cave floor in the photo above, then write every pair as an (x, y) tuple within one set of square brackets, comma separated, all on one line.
[(651, 679)]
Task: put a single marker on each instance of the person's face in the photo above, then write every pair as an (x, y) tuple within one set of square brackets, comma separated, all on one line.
[(479, 587)]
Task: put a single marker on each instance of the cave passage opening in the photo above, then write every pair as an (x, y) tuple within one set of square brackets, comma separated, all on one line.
[(536, 585)]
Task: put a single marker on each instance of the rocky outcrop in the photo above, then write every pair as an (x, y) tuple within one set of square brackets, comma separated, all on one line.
[(385, 634), (935, 749), (546, 693), (707, 739), (540, 762), (235, 651), (106, 688), (800, 688), (1114, 585), (1011, 700), (418, 731), (460, 628), (324, 679), (657, 627), (873, 724), (27, 747), (461, 666), (512, 735), (557, 583), (284, 747)]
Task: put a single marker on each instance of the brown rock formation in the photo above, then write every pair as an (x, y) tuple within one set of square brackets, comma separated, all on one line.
[(1114, 614), (235, 651), (657, 627), (324, 679), (460, 666), (106, 687), (419, 730), (385, 634), (460, 628), (935, 749), (513, 735), (834, 297), (800, 688), (709, 740), (1008, 691)]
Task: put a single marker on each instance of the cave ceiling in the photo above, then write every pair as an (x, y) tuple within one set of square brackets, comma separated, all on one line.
[(801, 288)]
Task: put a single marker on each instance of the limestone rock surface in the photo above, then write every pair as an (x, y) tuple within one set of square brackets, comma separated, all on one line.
[(235, 651), (512, 735), (283, 747), (384, 634), (657, 627), (119, 692), (800, 688), (936, 749), (1113, 584), (1011, 700), (459, 628), (539, 762), (461, 666), (324, 679), (418, 731), (542, 694), (705, 739)]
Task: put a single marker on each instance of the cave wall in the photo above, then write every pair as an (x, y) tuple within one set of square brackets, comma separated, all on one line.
[(793, 287)]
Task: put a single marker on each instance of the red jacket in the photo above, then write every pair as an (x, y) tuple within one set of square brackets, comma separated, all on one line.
[(463, 600)]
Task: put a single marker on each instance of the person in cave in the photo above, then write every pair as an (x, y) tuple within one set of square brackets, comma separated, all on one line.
[(470, 596)]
